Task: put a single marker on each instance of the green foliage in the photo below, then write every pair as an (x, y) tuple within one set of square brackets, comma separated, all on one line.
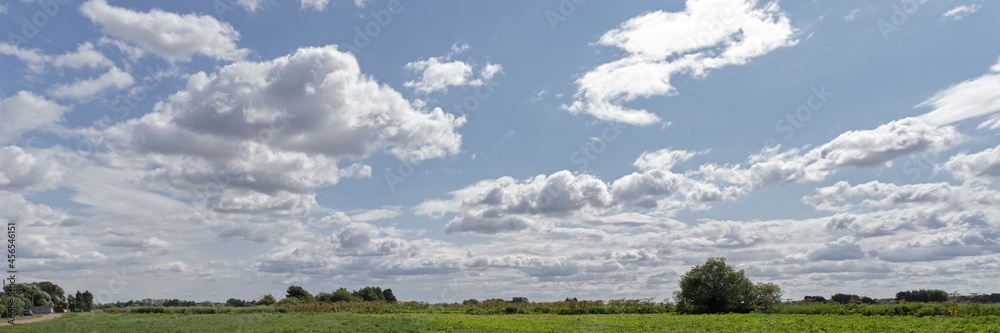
[(33, 295), (904, 309), (196, 310), (369, 294), (20, 303), (266, 300), (299, 294), (519, 300), (716, 287), (56, 293), (471, 301), (922, 295), (845, 298), (238, 303), (388, 296), (814, 299), (341, 295)]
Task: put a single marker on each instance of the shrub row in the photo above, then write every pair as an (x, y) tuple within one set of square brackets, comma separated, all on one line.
[(197, 310), (905, 309)]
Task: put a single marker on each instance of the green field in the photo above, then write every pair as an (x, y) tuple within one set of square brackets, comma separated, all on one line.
[(350, 322)]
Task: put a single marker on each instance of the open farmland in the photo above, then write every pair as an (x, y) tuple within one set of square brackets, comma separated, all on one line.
[(436, 322)]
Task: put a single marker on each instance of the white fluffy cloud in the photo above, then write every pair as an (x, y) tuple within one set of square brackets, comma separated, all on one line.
[(875, 148), (26, 111), (30, 169), (263, 135), (708, 34), (84, 89), (172, 36), (33, 57), (982, 166), (84, 56), (438, 73), (506, 204)]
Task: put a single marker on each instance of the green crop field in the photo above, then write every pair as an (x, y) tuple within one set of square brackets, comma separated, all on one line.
[(429, 322)]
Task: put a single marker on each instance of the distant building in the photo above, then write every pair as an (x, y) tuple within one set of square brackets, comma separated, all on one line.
[(41, 309), (58, 309)]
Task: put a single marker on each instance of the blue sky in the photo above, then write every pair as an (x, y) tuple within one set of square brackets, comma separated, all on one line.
[(454, 150)]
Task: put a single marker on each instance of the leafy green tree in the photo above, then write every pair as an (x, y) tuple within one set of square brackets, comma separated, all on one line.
[(299, 294), (20, 303), (845, 298), (369, 294), (87, 301), (814, 299), (922, 295), (867, 300), (266, 300), (237, 303), (54, 290), (716, 287), (33, 295), (765, 296), (388, 296), (341, 295)]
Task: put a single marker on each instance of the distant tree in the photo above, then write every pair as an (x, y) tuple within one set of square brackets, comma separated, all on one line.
[(471, 301), (716, 287), (266, 300), (56, 293), (993, 298), (341, 295), (867, 300), (388, 296), (299, 294), (324, 297), (519, 300), (369, 294), (764, 296), (238, 303), (87, 301), (33, 295), (814, 299), (570, 299), (845, 298), (71, 302), (922, 295)]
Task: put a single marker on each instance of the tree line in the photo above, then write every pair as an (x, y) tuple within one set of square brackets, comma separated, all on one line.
[(908, 296), (297, 294), (44, 293)]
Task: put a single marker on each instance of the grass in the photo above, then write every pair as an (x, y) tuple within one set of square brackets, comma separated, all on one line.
[(443, 322)]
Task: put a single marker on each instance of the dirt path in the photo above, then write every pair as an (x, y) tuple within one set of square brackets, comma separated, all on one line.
[(33, 319)]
